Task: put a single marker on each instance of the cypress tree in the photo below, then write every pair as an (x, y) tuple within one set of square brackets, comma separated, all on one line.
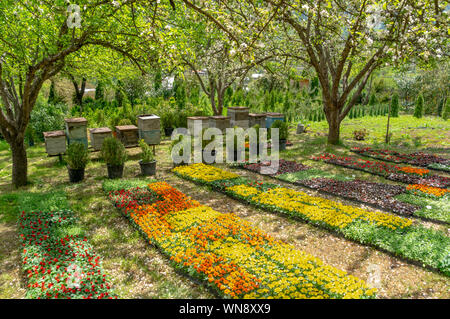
[(446, 112), (373, 100), (100, 91), (51, 93), (394, 106), (418, 111)]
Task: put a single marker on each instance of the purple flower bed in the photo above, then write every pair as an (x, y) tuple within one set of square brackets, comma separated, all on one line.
[(284, 167), (375, 194)]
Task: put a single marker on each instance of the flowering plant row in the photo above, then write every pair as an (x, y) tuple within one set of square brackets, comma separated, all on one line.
[(379, 229), (58, 265), (227, 253), (429, 191), (283, 167), (408, 175), (417, 158), (375, 194)]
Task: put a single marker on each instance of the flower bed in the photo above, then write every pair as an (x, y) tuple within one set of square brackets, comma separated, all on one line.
[(375, 194), (284, 167), (423, 190), (385, 231), (227, 253), (407, 175), (56, 264), (417, 158)]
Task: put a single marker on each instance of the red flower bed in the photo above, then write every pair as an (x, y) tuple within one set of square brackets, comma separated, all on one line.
[(417, 158), (284, 167), (59, 266), (375, 194), (408, 175)]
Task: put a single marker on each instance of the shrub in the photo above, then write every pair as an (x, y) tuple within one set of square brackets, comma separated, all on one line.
[(113, 151), (77, 156), (124, 122), (168, 119), (394, 106), (418, 111), (283, 129), (147, 153), (47, 117)]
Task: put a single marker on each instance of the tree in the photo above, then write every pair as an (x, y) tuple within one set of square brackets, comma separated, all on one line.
[(344, 41), (394, 106), (446, 112), (418, 111), (36, 38)]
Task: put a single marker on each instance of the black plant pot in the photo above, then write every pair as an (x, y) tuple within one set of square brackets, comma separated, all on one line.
[(168, 131), (75, 175), (212, 153), (282, 145), (115, 171), (148, 169)]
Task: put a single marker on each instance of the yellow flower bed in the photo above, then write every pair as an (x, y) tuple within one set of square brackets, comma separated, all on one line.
[(324, 210), (204, 172), (244, 190)]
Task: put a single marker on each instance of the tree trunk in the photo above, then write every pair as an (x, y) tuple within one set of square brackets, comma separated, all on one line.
[(334, 126), (20, 163)]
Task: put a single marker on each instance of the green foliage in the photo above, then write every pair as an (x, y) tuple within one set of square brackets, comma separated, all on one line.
[(100, 91), (113, 152), (45, 202), (47, 117), (394, 106), (418, 111), (124, 122), (373, 99), (283, 128), (110, 185), (446, 112), (77, 155)]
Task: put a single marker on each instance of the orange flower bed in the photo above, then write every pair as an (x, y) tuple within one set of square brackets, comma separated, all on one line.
[(414, 170), (436, 191)]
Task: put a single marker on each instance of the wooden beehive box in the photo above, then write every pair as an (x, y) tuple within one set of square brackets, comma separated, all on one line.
[(128, 135), (202, 121), (239, 116), (97, 136), (256, 118), (55, 142), (220, 122), (150, 128), (272, 117), (76, 130)]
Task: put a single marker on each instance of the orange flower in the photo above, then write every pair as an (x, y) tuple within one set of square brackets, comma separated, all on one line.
[(436, 191), (413, 170)]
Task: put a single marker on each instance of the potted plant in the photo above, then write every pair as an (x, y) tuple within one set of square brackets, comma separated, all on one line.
[(205, 142), (167, 122), (236, 152), (115, 155), (147, 162), (77, 159), (283, 132), (180, 139)]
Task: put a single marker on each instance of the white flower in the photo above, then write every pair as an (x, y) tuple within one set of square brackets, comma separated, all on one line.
[(115, 3), (429, 207)]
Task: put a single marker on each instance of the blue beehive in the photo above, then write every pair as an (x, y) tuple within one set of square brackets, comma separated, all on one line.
[(272, 117)]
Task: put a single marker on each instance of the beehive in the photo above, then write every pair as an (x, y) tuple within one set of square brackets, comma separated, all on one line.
[(202, 121), (239, 116), (97, 136), (76, 130), (272, 117), (256, 118), (150, 128), (128, 135), (220, 122), (55, 142)]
